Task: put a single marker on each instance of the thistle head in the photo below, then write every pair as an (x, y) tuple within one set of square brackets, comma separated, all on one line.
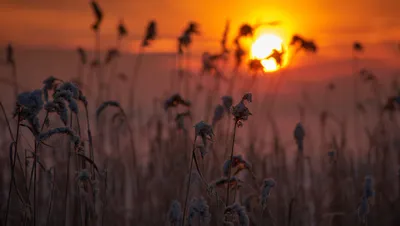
[(204, 130), (175, 213), (199, 207), (235, 212)]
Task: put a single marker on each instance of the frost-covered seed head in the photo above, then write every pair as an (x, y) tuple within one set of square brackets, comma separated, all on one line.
[(248, 97), (268, 184), (368, 189), (175, 213), (241, 112), (218, 114), (61, 130), (238, 162), (227, 102), (240, 212), (204, 130), (198, 207)]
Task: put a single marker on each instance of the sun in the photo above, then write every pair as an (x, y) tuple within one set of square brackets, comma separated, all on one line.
[(263, 47)]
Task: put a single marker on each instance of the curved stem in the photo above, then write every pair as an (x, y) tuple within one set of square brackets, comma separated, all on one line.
[(188, 184), (12, 170), (230, 165)]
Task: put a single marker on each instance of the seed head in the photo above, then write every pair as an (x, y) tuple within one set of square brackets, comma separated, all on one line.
[(198, 207), (205, 131), (218, 114), (268, 184), (299, 135), (240, 212), (151, 33), (175, 213)]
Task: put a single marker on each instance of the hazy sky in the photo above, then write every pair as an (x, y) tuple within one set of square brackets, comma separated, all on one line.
[(65, 23)]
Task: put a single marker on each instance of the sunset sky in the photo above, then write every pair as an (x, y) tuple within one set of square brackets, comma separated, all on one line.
[(65, 24)]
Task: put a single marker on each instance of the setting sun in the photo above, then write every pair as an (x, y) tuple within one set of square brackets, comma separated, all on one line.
[(263, 47)]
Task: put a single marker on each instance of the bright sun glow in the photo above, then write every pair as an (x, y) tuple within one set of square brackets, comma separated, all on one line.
[(263, 47)]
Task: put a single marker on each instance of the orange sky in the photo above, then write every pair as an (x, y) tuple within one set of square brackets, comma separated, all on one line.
[(65, 23)]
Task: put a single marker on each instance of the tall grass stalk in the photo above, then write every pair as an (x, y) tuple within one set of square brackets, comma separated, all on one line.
[(13, 168), (231, 162), (189, 181)]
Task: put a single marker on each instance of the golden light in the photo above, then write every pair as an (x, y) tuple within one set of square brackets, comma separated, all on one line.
[(263, 47)]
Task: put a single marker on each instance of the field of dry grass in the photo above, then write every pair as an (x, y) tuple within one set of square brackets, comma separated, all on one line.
[(210, 152)]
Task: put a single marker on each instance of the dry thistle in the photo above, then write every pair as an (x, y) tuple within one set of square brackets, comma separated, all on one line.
[(240, 112), (358, 47), (239, 211), (205, 131), (218, 114), (174, 101), (198, 207), (227, 102), (306, 45), (98, 13), (28, 106), (122, 31), (233, 182), (175, 213), (268, 184), (299, 135), (82, 55), (255, 66), (185, 39), (151, 33), (238, 162), (277, 56), (111, 55)]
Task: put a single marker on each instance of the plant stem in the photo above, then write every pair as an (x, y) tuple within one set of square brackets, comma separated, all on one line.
[(188, 184), (12, 169), (230, 165), (68, 169)]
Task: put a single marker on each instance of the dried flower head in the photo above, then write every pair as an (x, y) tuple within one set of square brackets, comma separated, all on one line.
[(358, 47), (28, 106), (210, 62), (239, 211), (238, 163), (299, 135), (174, 101), (175, 213), (223, 182), (240, 112), (268, 184), (368, 188), (277, 56), (218, 114), (306, 45), (204, 130), (98, 13), (122, 31), (151, 33), (198, 207), (246, 30), (82, 55), (255, 65), (83, 175), (112, 54), (227, 102)]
